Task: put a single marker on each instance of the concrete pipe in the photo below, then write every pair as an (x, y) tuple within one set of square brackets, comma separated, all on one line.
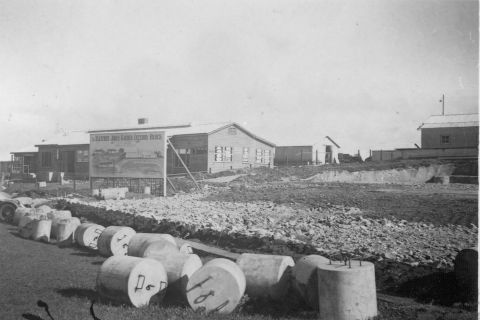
[(65, 230), (132, 280), (41, 230), (267, 275), (25, 226), (158, 248), (218, 286), (87, 235), (305, 282), (346, 291), (179, 268), (44, 209), (114, 241), (466, 270), (139, 241), (185, 248), (21, 212)]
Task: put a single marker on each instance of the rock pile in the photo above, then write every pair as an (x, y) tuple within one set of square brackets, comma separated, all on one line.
[(331, 230)]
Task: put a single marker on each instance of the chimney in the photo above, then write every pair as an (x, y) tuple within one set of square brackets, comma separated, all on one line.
[(142, 120)]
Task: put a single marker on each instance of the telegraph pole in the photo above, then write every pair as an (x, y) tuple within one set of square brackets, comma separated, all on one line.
[(443, 104)]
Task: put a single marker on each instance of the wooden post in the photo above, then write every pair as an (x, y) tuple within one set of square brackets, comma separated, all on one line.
[(183, 164)]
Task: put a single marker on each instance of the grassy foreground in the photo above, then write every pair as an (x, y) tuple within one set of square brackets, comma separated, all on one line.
[(64, 278)]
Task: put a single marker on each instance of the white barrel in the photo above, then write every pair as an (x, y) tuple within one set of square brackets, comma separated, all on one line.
[(56, 216), (65, 230), (347, 291), (305, 282), (138, 242), (41, 230), (44, 209), (267, 275), (466, 269), (179, 268), (25, 226), (114, 241), (218, 286), (21, 212), (158, 248), (87, 234), (132, 280), (59, 214)]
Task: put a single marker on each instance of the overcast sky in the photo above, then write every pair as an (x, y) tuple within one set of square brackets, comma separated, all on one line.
[(364, 72)]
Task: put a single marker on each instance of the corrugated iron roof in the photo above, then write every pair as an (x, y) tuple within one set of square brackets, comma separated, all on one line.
[(67, 138), (29, 149), (450, 121)]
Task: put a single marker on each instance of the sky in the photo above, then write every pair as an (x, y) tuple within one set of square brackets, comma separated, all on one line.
[(365, 72)]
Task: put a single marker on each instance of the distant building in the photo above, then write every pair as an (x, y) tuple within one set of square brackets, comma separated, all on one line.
[(66, 153), (453, 136), (293, 155), (450, 131), (23, 162)]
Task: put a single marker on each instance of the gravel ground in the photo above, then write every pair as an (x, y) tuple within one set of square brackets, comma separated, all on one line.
[(333, 229)]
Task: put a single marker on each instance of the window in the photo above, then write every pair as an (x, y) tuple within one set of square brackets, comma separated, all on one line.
[(223, 154), (185, 155), (82, 155), (258, 155), (245, 155), (232, 131), (266, 156), (46, 159), (445, 139)]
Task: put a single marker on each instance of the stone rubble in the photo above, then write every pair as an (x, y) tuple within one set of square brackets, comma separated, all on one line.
[(331, 230)]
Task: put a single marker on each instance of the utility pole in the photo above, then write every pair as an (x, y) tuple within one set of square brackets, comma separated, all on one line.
[(443, 104)]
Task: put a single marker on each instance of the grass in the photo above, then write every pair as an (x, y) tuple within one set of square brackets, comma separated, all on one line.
[(64, 278)]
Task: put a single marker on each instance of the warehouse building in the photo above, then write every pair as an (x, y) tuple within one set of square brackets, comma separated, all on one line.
[(217, 147)]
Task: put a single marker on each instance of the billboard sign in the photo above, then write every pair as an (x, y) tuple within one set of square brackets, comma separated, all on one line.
[(128, 154)]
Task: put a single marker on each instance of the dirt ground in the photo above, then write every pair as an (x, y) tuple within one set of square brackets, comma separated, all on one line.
[(430, 203)]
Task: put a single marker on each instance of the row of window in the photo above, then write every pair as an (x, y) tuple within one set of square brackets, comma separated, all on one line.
[(225, 154)]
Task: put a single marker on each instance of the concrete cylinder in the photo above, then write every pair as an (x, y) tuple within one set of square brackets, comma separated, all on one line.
[(132, 280), (114, 240), (87, 235), (218, 286), (346, 291), (139, 240), (25, 226), (21, 212), (44, 209), (41, 230), (185, 248), (466, 269), (158, 248), (179, 268), (267, 275), (305, 281), (65, 230)]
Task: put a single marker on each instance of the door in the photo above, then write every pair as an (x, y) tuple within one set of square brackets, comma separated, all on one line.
[(68, 161)]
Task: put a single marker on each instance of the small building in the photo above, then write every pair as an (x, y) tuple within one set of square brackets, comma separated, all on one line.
[(24, 162), (217, 147), (65, 154), (293, 155), (450, 131)]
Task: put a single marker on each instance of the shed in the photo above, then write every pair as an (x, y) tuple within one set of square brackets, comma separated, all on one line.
[(450, 131)]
